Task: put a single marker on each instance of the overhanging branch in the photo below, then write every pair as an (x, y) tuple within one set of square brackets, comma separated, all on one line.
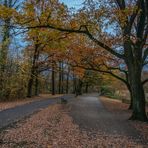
[(82, 30), (93, 68)]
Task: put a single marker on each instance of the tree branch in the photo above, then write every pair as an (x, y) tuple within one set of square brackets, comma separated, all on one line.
[(145, 81), (141, 21), (102, 71), (133, 16), (121, 4), (145, 54), (115, 68), (82, 30)]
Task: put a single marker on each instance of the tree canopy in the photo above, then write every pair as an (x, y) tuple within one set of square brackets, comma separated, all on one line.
[(108, 37)]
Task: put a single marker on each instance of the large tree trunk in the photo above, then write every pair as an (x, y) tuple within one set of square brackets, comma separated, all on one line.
[(131, 96), (33, 70), (3, 57), (138, 94), (131, 102)]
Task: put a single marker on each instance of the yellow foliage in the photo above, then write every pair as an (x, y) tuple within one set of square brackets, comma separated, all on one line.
[(6, 13)]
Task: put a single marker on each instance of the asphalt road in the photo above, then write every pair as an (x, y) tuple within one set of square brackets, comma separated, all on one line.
[(90, 114), (12, 115)]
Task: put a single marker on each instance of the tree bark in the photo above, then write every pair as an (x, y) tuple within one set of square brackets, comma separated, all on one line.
[(33, 69), (79, 88), (131, 96), (131, 102), (36, 84), (30, 84), (86, 87), (59, 77), (53, 80), (62, 78), (137, 90), (67, 83), (74, 84), (3, 57)]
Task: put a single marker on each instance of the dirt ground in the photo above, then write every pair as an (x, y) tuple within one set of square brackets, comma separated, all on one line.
[(118, 108)]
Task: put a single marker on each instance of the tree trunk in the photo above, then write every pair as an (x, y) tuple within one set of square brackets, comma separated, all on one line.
[(79, 88), (67, 84), (53, 80), (86, 87), (36, 84), (67, 81), (62, 78), (138, 94), (59, 77), (74, 84), (131, 101), (131, 96), (33, 70), (3, 57), (30, 84)]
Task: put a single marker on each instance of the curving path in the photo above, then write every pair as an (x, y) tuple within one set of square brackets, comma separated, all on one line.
[(12, 115)]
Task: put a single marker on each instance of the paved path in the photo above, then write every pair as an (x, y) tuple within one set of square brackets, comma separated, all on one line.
[(11, 115), (90, 114)]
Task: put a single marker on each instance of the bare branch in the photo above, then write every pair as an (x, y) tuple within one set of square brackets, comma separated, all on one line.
[(121, 4), (94, 68), (145, 81), (133, 16), (145, 55)]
